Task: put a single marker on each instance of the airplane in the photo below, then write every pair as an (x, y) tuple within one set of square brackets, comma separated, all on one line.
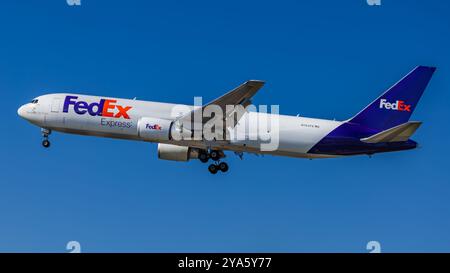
[(382, 126)]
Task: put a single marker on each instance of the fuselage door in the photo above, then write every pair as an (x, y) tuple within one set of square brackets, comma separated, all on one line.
[(56, 104), (54, 119)]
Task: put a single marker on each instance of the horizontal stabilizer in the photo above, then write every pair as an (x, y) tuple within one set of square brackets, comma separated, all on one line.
[(398, 133)]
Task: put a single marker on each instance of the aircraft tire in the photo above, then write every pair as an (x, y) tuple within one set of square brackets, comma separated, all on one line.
[(215, 155), (46, 143), (213, 168), (223, 166), (203, 157)]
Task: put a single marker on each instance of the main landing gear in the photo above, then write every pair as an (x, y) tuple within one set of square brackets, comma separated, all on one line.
[(214, 168), (215, 155), (45, 134)]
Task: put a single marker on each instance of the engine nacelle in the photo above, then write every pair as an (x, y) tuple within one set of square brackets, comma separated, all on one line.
[(176, 153), (154, 129)]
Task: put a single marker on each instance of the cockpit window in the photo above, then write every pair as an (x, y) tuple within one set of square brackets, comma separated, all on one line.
[(34, 101)]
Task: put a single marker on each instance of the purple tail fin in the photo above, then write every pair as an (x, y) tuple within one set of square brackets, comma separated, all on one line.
[(395, 106)]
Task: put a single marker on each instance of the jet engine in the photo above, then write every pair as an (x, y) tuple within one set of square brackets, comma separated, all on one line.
[(154, 129), (176, 153)]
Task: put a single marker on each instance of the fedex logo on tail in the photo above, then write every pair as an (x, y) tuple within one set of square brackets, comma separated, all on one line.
[(104, 108), (399, 105)]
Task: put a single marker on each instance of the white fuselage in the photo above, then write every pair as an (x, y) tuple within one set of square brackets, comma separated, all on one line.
[(123, 118)]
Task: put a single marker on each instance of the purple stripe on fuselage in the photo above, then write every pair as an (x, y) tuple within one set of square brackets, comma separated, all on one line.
[(345, 140)]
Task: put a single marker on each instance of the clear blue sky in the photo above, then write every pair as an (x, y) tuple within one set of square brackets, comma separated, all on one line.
[(324, 59)]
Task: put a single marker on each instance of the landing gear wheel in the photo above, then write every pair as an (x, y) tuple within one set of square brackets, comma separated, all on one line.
[(46, 143), (213, 168), (45, 134), (203, 157), (215, 155), (223, 167)]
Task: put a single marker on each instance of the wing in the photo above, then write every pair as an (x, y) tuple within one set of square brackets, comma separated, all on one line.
[(241, 95)]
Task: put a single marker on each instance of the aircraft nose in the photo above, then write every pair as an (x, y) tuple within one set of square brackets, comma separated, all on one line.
[(21, 111)]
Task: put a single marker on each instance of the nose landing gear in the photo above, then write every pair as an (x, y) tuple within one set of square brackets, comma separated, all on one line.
[(45, 134), (46, 143)]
